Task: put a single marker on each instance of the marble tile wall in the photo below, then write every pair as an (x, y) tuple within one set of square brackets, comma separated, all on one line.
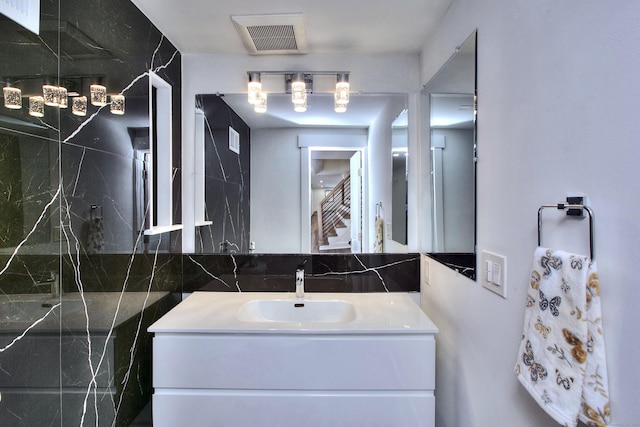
[(323, 273)]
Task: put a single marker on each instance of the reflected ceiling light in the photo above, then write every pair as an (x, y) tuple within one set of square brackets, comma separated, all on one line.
[(98, 95), (338, 107), (62, 97), (298, 90), (300, 107), (342, 89), (254, 88), (12, 97), (261, 106), (36, 106), (51, 95), (79, 106), (117, 104)]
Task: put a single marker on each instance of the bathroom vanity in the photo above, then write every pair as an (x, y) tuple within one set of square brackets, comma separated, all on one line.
[(271, 359)]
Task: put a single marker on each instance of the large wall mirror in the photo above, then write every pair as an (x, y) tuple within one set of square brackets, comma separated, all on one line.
[(450, 100), (271, 195)]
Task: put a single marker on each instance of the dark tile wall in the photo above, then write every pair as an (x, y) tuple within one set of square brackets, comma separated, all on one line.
[(323, 273)]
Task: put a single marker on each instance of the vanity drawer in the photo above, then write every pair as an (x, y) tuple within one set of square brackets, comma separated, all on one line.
[(294, 361), (300, 408)]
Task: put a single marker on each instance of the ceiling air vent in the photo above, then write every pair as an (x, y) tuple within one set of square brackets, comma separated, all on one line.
[(272, 34)]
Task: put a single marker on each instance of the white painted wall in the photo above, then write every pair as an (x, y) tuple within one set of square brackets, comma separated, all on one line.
[(558, 92)]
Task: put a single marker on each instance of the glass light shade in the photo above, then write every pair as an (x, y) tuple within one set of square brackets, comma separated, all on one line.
[(98, 95), (261, 106), (117, 104), (12, 97), (79, 106), (342, 93), (36, 106), (339, 107), (255, 89), (298, 92), (51, 95), (300, 107), (62, 97)]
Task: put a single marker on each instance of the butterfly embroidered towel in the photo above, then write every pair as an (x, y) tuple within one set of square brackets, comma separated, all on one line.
[(561, 361)]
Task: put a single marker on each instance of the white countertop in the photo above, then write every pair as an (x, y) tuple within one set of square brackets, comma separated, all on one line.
[(216, 312)]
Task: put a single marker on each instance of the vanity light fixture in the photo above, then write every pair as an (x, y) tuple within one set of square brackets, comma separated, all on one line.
[(79, 106), (299, 84), (261, 106), (117, 104), (36, 106), (98, 95), (12, 97), (254, 88)]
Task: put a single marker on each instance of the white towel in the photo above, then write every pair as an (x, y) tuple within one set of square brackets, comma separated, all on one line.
[(561, 361), (378, 246)]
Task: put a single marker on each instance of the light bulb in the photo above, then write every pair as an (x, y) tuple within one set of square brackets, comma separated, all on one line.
[(261, 106), (36, 106), (342, 93), (254, 88), (62, 97), (117, 104), (79, 106), (338, 107), (51, 95), (301, 107), (12, 97), (298, 89), (98, 95)]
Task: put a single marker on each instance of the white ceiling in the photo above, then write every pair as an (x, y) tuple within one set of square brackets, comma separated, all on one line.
[(332, 26)]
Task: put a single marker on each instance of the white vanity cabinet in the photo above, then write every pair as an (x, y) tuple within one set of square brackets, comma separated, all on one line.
[(364, 372)]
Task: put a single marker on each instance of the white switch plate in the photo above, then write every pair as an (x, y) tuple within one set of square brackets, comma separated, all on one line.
[(494, 272)]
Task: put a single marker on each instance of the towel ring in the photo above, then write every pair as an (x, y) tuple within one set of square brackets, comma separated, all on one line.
[(578, 210)]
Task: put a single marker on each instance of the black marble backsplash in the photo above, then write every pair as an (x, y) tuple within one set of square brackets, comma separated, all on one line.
[(323, 273)]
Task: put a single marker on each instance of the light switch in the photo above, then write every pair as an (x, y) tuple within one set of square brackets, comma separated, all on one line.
[(495, 275)]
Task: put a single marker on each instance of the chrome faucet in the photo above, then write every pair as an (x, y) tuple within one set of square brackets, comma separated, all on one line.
[(300, 280)]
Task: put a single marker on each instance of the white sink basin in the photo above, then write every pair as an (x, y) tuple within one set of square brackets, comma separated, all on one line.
[(303, 311)]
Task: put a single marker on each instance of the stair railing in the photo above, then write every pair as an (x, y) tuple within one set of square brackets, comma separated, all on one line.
[(333, 209)]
